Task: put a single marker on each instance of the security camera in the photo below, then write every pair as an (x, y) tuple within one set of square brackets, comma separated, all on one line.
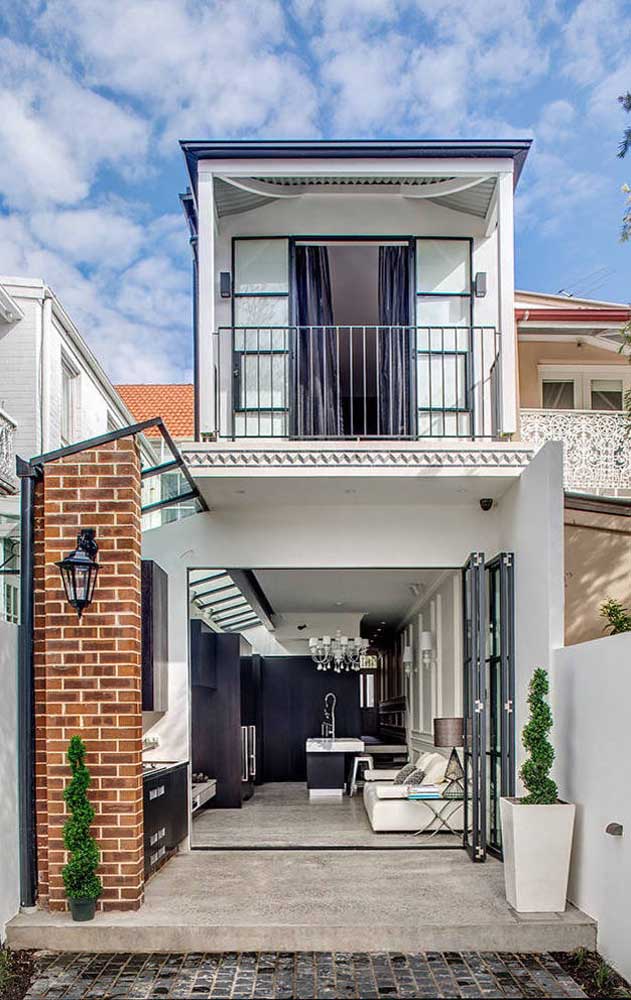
[(486, 503)]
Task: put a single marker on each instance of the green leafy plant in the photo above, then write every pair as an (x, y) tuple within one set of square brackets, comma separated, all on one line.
[(603, 976), (79, 875), (618, 618), (6, 968), (535, 771)]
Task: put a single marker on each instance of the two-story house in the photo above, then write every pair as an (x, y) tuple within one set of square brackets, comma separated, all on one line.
[(356, 411)]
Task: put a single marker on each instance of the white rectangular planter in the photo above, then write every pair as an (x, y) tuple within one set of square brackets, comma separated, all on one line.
[(537, 842)]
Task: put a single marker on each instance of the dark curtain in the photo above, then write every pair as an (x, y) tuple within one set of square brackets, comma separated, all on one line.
[(317, 400), (394, 341)]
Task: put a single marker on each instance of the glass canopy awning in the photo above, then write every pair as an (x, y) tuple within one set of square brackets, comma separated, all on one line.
[(223, 599)]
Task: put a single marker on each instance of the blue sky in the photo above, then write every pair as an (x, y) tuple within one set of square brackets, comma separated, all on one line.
[(95, 93)]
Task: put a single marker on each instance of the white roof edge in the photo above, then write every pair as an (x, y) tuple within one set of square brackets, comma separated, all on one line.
[(76, 339), (10, 311), (570, 300)]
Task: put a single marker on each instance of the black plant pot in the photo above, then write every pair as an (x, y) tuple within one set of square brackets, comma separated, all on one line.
[(83, 909)]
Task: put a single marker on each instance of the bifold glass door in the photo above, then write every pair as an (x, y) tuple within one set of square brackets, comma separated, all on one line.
[(489, 689), (500, 686), (474, 701)]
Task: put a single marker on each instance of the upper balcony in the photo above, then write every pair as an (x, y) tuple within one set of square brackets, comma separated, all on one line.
[(354, 290), (7, 454), (596, 447), (336, 383)]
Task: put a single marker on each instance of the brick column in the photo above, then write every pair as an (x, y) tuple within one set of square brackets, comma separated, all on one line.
[(87, 673)]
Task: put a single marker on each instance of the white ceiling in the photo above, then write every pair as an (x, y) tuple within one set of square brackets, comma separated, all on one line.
[(383, 595), (234, 491)]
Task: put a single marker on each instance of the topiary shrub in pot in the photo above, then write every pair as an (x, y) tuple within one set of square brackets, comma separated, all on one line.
[(537, 829), (83, 886)]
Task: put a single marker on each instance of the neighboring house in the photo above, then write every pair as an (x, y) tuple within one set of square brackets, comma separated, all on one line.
[(56, 392), (574, 378), (175, 403), (51, 382)]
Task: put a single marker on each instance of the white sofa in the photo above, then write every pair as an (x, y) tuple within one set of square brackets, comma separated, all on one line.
[(390, 811)]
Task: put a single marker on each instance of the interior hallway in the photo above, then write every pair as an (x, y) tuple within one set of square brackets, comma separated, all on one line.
[(281, 815)]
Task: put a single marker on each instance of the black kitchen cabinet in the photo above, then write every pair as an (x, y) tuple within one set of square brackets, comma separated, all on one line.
[(165, 813), (203, 656), (155, 637)]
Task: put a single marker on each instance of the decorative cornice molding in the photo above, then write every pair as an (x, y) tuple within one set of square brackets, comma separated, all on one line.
[(436, 458)]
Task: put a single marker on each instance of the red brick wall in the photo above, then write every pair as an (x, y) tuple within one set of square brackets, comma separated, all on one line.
[(87, 673)]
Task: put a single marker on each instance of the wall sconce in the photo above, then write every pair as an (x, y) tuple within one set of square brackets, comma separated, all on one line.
[(479, 285), (225, 284), (427, 648), (408, 659), (79, 571)]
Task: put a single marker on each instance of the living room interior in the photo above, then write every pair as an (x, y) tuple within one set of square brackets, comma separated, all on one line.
[(321, 702)]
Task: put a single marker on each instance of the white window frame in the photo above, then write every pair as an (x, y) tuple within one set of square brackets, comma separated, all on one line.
[(582, 376), (68, 420)]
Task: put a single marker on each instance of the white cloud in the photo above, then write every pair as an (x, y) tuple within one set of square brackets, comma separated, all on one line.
[(555, 122), (138, 331), (90, 235), (595, 37), (212, 68), (553, 192), (55, 134)]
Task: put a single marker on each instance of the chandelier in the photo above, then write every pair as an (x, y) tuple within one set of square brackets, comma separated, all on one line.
[(338, 653)]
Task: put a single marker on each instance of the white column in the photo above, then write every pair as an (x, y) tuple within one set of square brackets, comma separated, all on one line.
[(506, 290), (206, 340)]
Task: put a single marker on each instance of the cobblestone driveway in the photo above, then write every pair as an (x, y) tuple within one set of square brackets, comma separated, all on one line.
[(303, 976)]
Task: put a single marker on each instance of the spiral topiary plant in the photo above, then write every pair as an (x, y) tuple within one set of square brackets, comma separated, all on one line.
[(79, 875), (535, 771)]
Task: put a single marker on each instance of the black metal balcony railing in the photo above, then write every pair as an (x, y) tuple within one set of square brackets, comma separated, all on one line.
[(342, 382)]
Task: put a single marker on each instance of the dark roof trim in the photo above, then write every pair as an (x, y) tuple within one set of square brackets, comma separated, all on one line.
[(28, 468), (265, 149), (598, 504)]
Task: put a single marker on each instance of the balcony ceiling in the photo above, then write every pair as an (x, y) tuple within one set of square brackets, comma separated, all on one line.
[(234, 196)]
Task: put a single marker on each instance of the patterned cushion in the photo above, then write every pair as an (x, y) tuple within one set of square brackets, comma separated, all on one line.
[(401, 777), (415, 777)]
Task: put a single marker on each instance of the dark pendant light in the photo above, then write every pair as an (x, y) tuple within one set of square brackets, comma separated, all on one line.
[(79, 571)]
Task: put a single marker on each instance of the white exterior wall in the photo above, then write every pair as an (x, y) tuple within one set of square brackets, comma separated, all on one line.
[(9, 867), (527, 520), (591, 694), (531, 515), (31, 351)]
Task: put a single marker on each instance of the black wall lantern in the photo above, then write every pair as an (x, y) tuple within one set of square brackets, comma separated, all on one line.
[(79, 571)]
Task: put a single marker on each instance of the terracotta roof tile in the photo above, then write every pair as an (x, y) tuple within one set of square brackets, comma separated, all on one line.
[(174, 403)]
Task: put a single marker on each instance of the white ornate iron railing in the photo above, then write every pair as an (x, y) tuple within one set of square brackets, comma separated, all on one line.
[(7, 454), (596, 446)]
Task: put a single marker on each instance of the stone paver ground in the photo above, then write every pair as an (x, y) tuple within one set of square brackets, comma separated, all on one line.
[(298, 976)]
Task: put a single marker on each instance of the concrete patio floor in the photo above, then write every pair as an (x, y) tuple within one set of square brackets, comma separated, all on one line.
[(359, 901), (280, 814)]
